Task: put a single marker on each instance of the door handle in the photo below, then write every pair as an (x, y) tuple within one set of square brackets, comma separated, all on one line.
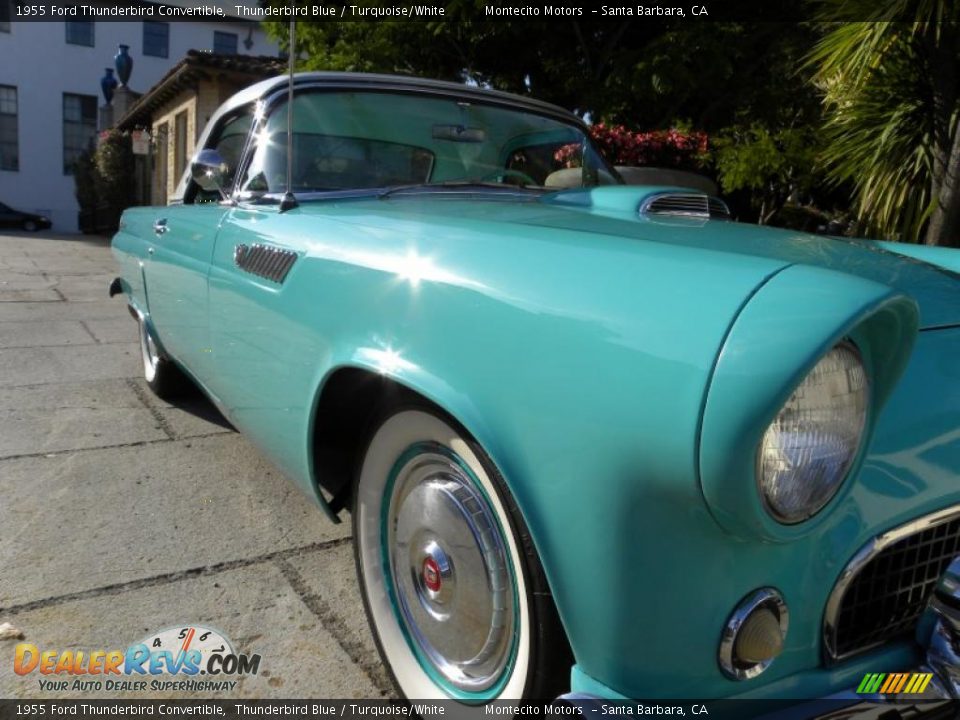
[(160, 226)]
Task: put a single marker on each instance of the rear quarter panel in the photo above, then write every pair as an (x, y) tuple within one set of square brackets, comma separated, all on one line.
[(130, 250)]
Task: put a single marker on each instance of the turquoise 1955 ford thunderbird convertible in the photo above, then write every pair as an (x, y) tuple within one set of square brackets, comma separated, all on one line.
[(594, 438)]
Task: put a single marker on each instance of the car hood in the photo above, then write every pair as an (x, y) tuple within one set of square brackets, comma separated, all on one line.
[(613, 212)]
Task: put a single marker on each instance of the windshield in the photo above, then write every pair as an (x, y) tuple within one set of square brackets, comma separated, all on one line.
[(367, 140)]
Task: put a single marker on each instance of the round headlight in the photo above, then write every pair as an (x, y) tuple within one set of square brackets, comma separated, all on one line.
[(808, 448)]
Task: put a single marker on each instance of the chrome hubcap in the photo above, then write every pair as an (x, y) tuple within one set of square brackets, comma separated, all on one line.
[(449, 572)]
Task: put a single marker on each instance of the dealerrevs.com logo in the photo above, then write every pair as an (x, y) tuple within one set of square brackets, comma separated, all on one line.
[(172, 659)]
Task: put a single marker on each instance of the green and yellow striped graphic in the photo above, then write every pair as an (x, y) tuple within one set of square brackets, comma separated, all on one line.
[(894, 683)]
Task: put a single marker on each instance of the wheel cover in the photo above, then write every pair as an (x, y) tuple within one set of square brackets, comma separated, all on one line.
[(448, 572)]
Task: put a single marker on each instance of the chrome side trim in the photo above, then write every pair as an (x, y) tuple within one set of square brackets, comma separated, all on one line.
[(764, 596), (857, 564), (271, 263)]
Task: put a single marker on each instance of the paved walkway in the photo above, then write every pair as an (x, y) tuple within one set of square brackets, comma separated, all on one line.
[(121, 515)]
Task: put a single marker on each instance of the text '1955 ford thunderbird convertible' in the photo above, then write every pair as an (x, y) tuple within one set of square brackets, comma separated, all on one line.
[(594, 438)]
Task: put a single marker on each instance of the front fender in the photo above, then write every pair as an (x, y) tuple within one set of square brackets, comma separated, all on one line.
[(944, 257), (790, 323), (590, 412)]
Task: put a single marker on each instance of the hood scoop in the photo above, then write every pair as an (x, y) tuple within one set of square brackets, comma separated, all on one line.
[(685, 204), (663, 203)]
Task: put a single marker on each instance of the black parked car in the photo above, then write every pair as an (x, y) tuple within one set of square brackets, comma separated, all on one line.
[(10, 218)]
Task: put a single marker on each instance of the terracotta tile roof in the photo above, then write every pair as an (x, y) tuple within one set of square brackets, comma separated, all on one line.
[(198, 65)]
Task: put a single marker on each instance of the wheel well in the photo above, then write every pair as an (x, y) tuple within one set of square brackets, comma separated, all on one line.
[(350, 403)]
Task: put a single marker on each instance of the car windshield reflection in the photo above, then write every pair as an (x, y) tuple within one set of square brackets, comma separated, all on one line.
[(383, 142)]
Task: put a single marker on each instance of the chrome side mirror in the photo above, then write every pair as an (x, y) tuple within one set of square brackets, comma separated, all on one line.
[(209, 171)]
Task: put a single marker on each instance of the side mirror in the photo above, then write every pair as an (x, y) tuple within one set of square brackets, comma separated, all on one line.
[(209, 171)]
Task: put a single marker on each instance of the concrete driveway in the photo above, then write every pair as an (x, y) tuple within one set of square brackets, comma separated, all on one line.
[(121, 515)]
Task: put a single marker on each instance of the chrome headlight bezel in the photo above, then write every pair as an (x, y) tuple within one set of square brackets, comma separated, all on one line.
[(838, 481)]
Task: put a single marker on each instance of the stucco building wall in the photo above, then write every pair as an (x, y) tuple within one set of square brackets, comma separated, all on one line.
[(48, 66)]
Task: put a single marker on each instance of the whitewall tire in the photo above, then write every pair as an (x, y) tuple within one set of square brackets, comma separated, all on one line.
[(161, 374), (451, 584)]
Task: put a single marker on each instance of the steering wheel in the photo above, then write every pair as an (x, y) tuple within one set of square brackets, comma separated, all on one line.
[(502, 175)]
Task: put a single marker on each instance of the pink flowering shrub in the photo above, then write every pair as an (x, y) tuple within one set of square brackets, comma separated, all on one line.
[(659, 148)]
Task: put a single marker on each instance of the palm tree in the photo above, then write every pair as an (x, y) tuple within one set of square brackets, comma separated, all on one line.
[(889, 77)]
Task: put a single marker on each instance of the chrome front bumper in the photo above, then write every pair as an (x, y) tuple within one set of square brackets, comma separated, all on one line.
[(938, 634)]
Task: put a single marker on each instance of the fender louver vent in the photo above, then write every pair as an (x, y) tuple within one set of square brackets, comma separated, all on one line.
[(694, 205), (267, 262)]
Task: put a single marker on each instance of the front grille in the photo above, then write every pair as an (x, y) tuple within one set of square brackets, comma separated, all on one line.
[(883, 591)]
